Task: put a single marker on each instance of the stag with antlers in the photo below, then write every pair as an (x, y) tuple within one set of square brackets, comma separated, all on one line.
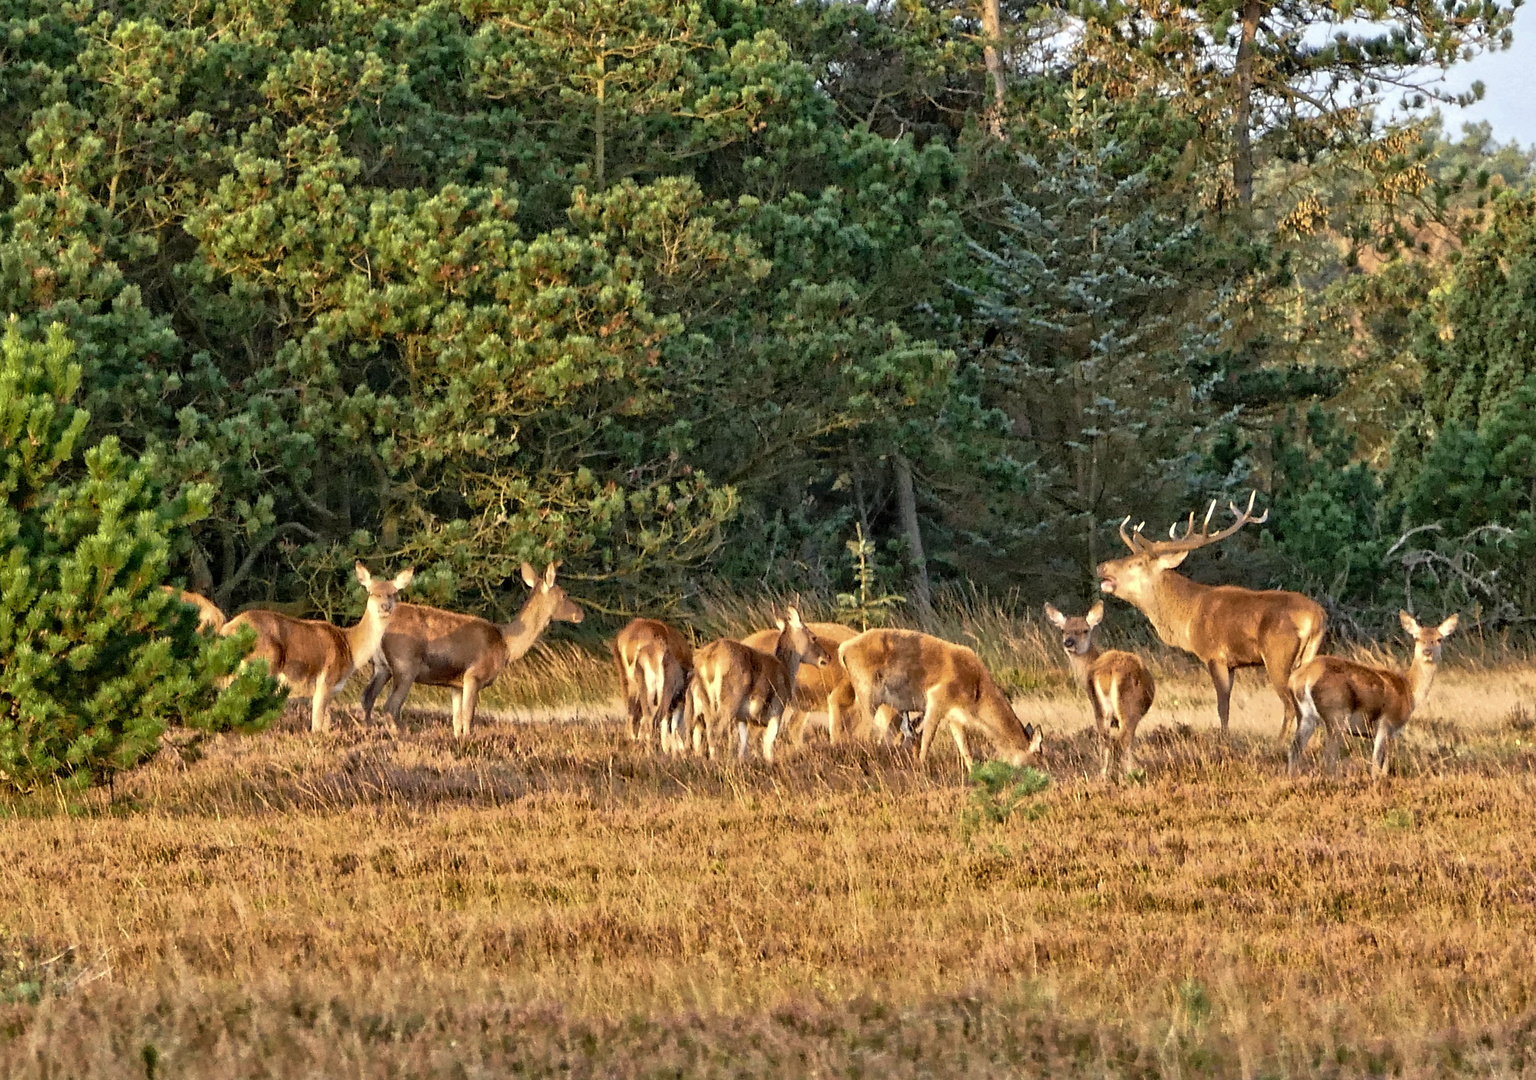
[(1226, 626)]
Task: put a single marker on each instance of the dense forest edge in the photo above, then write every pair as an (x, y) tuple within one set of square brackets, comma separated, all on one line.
[(885, 301)]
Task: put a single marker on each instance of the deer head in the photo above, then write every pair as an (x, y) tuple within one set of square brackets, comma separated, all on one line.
[(1076, 631), (562, 607), (800, 641), (1133, 577), (1426, 639), (382, 594)]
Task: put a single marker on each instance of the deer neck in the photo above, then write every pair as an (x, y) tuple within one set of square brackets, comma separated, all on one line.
[(1420, 674), (364, 638), (1082, 664), (520, 634), (790, 658), (1170, 607)]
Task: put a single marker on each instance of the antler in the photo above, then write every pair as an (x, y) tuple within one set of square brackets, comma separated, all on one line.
[(1193, 539), (1133, 540)]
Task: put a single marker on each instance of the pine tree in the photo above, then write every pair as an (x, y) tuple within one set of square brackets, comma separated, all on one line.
[(96, 660)]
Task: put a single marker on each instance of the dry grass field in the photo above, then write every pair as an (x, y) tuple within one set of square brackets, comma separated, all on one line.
[(544, 899)]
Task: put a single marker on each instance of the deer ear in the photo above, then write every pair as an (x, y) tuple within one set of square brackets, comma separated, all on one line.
[(549, 575), (405, 577), (1172, 559), (1036, 738), (530, 576), (1449, 626), (1410, 624), (1057, 619), (363, 576), (1096, 614), (779, 623), (794, 618)]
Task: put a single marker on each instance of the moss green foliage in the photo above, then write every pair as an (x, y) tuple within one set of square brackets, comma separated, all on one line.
[(96, 660)]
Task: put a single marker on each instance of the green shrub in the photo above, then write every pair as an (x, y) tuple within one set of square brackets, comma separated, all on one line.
[(96, 660)]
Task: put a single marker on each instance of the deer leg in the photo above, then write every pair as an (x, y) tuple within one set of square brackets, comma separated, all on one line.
[(743, 737), (958, 733), (771, 735), (930, 725), (1279, 664), (1127, 752), (457, 697), (883, 717), (1304, 728), (1221, 678), (1382, 751), (840, 704), (397, 695), (319, 712), (1331, 745), (471, 699), (375, 686)]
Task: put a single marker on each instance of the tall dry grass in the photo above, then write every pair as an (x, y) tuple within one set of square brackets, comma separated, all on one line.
[(545, 899)]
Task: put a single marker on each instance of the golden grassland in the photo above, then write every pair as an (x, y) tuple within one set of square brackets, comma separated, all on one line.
[(545, 899)]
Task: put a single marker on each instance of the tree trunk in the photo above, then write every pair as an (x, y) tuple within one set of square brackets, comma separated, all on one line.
[(1242, 112), (992, 51), (906, 505)]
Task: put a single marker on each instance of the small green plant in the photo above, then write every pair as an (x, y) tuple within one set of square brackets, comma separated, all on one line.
[(868, 605), (997, 790)]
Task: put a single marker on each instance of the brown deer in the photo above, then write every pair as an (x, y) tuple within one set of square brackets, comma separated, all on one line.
[(655, 662), (209, 617), (1226, 626), (434, 647), (733, 682), (897, 671), (1118, 684), (817, 687), (1343, 693), (314, 657)]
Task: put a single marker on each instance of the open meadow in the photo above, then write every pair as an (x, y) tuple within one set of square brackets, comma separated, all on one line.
[(544, 898)]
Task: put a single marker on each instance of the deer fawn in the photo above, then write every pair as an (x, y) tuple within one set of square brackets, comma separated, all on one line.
[(655, 663), (816, 687), (897, 671), (753, 688), (434, 647), (1341, 692), (314, 657), (1227, 627), (1118, 684)]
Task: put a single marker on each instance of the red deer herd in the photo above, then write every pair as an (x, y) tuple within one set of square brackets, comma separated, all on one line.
[(869, 685)]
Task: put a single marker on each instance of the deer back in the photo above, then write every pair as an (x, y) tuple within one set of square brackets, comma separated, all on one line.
[(297, 651), (1340, 688), (437, 647)]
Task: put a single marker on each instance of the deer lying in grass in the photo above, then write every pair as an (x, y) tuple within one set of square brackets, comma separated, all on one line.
[(465, 652), (732, 682), (1118, 684), (817, 687), (312, 656), (897, 671), (1343, 693), (209, 617), (1227, 627), (655, 662)]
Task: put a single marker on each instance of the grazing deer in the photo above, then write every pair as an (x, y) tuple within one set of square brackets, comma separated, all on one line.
[(1343, 693), (1118, 684), (655, 662), (209, 617), (314, 657), (734, 682), (897, 671), (817, 687), (445, 648), (1226, 626)]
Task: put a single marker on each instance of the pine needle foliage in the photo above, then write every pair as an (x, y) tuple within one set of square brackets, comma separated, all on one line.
[(96, 660)]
